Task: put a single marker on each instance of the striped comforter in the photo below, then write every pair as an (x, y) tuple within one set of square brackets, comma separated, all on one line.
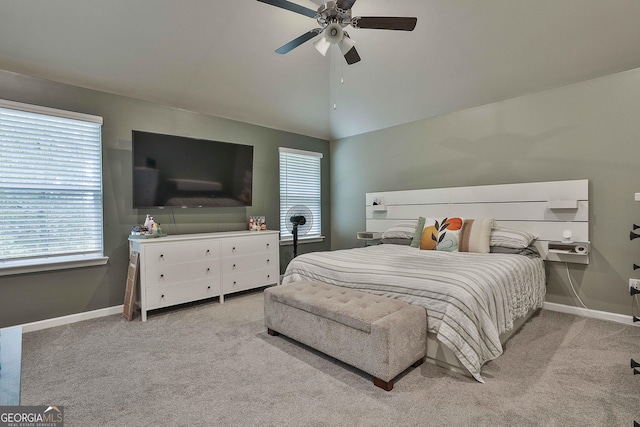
[(470, 298)]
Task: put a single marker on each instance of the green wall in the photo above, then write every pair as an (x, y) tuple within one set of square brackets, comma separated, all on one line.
[(588, 130), (31, 297)]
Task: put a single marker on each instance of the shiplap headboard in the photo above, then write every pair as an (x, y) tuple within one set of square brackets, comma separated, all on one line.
[(522, 206)]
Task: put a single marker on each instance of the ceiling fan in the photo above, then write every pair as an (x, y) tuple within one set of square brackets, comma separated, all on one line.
[(333, 17)]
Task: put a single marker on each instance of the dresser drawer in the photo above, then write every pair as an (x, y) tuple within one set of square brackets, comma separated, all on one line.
[(160, 274), (173, 253), (249, 279), (241, 264), (171, 294), (249, 245)]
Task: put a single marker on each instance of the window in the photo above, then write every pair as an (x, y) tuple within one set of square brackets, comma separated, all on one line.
[(50, 188), (300, 185)]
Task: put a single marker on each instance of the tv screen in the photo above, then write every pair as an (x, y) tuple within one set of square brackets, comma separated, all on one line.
[(176, 171)]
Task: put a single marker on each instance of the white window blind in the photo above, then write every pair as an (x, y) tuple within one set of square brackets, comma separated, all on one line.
[(50, 185), (300, 185)]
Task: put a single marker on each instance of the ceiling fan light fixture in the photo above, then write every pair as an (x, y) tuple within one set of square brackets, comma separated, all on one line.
[(334, 33), (345, 45), (322, 45)]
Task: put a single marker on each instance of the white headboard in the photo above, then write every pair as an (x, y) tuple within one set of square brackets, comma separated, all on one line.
[(543, 208)]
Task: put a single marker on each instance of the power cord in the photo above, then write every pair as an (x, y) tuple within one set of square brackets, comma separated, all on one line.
[(566, 264)]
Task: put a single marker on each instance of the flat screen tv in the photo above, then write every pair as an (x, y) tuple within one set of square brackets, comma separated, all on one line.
[(180, 172)]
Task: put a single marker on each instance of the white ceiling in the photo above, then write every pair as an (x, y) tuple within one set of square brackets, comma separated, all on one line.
[(217, 57)]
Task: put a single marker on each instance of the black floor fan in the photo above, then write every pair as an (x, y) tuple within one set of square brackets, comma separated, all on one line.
[(300, 220)]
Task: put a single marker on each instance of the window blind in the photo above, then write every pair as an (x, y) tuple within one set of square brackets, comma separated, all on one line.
[(300, 185), (50, 184)]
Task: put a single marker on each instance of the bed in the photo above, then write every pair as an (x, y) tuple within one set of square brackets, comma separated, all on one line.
[(470, 298), (477, 296)]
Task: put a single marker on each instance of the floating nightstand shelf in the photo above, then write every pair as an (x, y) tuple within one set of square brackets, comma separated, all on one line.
[(369, 236), (572, 248), (574, 252), (379, 208)]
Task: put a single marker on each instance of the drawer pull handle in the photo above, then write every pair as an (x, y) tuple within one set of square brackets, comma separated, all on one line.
[(162, 296), (235, 283), (268, 261), (208, 269), (234, 266), (162, 276), (208, 251), (268, 245), (234, 249), (268, 276), (208, 287)]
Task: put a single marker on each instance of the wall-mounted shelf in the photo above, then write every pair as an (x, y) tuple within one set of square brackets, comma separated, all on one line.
[(562, 204), (574, 252), (369, 235), (379, 208), (574, 248)]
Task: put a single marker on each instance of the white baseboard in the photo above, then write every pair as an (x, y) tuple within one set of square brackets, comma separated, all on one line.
[(78, 317), (586, 312), (72, 318)]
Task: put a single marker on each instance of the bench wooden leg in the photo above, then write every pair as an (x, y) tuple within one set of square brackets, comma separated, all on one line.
[(388, 385), (272, 332), (385, 385)]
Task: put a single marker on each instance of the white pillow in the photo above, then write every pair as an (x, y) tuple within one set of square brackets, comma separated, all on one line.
[(511, 238), (403, 230)]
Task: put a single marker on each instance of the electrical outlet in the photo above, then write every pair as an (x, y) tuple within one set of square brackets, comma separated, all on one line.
[(634, 284)]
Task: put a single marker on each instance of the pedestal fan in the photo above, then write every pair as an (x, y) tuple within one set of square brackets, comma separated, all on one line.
[(300, 220)]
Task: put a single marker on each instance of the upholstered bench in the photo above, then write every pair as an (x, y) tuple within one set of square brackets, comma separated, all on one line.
[(378, 335)]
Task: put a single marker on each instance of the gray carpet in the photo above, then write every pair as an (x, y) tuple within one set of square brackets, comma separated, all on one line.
[(211, 364)]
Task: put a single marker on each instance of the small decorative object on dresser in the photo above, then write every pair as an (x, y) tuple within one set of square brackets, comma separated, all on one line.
[(257, 223)]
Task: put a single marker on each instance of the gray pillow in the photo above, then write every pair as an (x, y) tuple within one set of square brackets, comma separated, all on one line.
[(402, 230), (511, 238)]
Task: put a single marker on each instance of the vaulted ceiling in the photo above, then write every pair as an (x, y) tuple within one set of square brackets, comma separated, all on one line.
[(217, 57)]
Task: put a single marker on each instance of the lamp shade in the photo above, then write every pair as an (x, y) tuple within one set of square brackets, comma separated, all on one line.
[(345, 44), (333, 33), (322, 45)]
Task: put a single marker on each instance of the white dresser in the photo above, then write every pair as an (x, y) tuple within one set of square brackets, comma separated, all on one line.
[(190, 267)]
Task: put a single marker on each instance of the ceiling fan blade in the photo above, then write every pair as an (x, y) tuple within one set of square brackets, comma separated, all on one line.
[(345, 4), (284, 4), (298, 41), (385, 23), (352, 56), (348, 49)]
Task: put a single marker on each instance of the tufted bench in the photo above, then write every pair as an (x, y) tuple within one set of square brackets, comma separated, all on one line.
[(378, 335)]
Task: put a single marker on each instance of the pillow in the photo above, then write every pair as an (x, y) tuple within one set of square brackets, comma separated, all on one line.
[(511, 238), (417, 233), (476, 234), (441, 234), (403, 230)]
